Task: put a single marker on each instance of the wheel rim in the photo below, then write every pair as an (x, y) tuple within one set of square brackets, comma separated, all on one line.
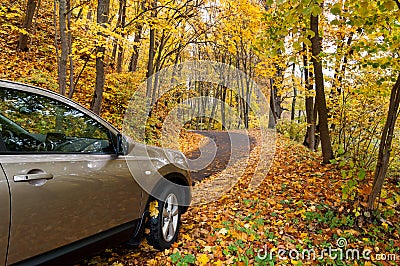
[(170, 216)]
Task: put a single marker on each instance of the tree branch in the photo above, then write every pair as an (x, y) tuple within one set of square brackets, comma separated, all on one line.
[(75, 7)]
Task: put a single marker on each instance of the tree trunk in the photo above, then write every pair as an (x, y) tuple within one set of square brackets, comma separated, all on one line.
[(138, 35), (276, 109), (62, 75), (117, 51), (150, 62), (214, 101), (249, 91), (293, 111), (135, 54), (309, 140), (120, 48), (55, 12), (23, 38), (231, 105), (272, 113), (120, 58), (157, 67), (103, 9), (223, 103), (71, 58), (293, 107), (35, 18), (327, 152), (385, 145), (113, 54)]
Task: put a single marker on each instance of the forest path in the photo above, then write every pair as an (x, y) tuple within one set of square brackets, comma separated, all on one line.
[(222, 149)]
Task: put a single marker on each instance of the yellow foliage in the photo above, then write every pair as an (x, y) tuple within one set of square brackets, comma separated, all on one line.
[(153, 209), (202, 259)]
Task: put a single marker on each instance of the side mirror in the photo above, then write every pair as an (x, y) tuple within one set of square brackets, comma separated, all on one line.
[(120, 149), (124, 145)]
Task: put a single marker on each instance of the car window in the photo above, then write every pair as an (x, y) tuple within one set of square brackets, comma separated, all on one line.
[(34, 123)]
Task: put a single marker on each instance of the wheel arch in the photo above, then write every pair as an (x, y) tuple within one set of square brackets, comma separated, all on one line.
[(178, 178)]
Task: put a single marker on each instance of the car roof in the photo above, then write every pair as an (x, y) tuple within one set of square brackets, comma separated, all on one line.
[(13, 84)]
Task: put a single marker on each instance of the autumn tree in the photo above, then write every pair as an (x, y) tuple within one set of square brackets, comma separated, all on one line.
[(232, 41), (388, 9), (294, 32)]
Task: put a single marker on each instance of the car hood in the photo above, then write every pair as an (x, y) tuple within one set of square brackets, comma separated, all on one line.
[(154, 162)]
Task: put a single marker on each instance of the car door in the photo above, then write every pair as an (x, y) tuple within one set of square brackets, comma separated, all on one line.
[(4, 217), (66, 182)]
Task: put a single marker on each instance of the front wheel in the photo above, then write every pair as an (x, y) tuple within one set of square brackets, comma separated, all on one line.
[(164, 223)]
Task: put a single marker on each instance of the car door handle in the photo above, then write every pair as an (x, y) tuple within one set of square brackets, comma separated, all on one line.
[(29, 177)]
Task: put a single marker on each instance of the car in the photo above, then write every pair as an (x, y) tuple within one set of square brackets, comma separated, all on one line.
[(71, 183)]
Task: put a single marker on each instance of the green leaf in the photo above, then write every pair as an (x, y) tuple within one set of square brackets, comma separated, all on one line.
[(316, 10), (389, 5), (340, 151), (336, 9), (307, 11), (273, 53), (361, 174), (297, 46), (345, 192), (389, 201), (335, 22), (310, 33), (363, 11), (307, 42), (190, 258), (175, 257)]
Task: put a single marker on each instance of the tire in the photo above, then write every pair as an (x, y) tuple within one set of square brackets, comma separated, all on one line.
[(164, 227)]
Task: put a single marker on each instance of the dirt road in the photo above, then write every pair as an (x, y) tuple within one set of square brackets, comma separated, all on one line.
[(222, 149)]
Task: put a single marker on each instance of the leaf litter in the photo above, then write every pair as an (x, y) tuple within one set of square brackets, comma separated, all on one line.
[(298, 207)]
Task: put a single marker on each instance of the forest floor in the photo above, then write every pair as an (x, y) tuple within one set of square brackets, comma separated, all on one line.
[(296, 216)]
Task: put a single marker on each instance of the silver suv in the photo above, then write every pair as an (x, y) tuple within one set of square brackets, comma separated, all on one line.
[(69, 182)]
